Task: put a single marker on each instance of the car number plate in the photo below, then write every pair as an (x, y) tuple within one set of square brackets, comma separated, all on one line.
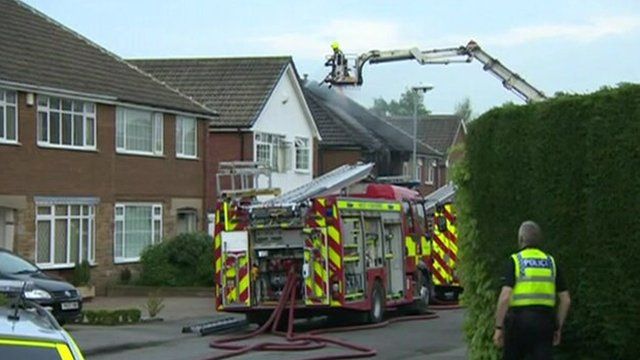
[(69, 305)]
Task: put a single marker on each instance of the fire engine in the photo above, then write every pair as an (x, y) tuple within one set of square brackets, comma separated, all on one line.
[(358, 246)]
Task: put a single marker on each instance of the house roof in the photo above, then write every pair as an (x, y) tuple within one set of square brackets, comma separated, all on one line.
[(39, 53), (438, 131), (335, 130), (365, 127), (238, 88)]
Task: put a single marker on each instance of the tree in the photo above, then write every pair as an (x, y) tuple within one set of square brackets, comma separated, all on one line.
[(464, 110), (402, 107)]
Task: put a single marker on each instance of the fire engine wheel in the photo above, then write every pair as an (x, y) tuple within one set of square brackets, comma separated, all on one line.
[(424, 294), (376, 313)]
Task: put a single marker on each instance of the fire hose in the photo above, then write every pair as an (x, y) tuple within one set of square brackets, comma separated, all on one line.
[(305, 341)]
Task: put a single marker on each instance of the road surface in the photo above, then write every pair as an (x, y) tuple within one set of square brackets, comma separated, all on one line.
[(437, 339)]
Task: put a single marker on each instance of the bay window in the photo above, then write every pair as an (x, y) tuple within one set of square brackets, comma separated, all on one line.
[(65, 234)]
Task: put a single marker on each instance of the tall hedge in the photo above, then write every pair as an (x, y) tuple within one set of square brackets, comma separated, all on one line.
[(572, 164)]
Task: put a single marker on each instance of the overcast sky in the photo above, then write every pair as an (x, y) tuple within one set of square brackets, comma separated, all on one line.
[(557, 45)]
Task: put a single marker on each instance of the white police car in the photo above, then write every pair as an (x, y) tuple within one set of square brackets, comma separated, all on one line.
[(28, 331)]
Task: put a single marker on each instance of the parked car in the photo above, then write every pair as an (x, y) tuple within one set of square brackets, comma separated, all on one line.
[(28, 331), (58, 296)]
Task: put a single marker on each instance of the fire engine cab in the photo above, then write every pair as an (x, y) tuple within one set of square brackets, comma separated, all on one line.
[(358, 246)]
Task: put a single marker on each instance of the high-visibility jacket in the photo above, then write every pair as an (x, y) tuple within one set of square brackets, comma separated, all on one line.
[(535, 279)]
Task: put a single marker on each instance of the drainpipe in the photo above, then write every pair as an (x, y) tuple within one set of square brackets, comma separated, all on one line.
[(241, 144)]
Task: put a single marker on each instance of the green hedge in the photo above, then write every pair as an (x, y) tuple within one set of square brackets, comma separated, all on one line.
[(111, 317), (572, 164), (186, 260)]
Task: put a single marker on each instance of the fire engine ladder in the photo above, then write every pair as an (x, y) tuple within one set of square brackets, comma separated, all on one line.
[(329, 183), (240, 179), (443, 194)]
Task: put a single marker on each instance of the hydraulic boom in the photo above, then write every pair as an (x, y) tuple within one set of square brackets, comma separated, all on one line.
[(342, 74)]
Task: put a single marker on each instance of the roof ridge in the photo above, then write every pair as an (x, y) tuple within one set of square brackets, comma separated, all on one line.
[(105, 51), (287, 57)]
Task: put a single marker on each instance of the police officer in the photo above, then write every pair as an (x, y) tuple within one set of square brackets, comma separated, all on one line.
[(528, 322)]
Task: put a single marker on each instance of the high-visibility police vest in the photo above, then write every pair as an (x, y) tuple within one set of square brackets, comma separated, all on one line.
[(535, 279)]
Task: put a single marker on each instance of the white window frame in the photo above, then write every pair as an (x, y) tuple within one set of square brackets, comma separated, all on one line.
[(157, 132), (4, 103), (431, 171), (155, 216), (88, 114), (181, 137), (300, 148), (51, 218), (273, 143)]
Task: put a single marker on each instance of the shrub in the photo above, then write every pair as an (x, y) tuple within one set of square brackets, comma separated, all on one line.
[(572, 165), (154, 304), (81, 274), (134, 315), (186, 260), (4, 300)]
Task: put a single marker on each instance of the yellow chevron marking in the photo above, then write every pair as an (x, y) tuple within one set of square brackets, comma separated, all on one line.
[(320, 220), (334, 234), (335, 258)]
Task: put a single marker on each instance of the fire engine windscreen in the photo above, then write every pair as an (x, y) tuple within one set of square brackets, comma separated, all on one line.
[(274, 252)]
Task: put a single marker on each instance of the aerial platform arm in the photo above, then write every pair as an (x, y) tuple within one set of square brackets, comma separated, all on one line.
[(342, 74)]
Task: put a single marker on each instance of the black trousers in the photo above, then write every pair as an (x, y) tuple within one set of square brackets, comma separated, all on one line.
[(528, 334)]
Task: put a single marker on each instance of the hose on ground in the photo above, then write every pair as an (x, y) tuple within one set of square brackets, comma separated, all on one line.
[(300, 342)]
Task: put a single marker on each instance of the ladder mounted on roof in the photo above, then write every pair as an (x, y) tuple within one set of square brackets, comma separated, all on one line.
[(240, 179), (444, 194), (329, 183)]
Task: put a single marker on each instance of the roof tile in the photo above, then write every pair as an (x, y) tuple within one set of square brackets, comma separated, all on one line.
[(237, 88), (38, 51)]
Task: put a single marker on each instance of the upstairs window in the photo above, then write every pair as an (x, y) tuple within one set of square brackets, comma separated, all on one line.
[(431, 171), (139, 132), (8, 116), (303, 153), (66, 123), (186, 137)]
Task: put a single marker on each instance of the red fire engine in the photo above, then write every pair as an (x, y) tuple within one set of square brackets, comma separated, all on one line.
[(358, 247)]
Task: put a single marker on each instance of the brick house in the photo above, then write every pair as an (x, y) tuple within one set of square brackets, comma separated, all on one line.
[(97, 158), (352, 133), (445, 133), (263, 113)]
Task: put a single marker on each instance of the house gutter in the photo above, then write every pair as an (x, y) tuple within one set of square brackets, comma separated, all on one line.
[(103, 99)]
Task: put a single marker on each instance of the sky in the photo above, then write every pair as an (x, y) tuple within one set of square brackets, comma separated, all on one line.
[(572, 46)]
